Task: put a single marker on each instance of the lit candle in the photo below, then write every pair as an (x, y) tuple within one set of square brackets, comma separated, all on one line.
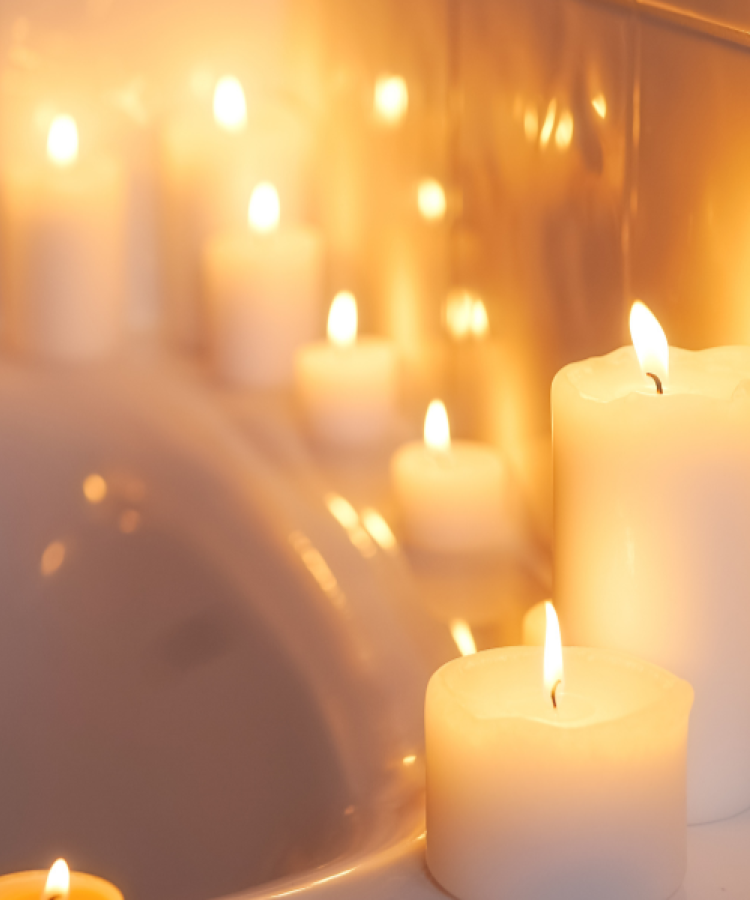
[(452, 494), (652, 529), (57, 884), (556, 774), (263, 289), (63, 249), (347, 385), (211, 156)]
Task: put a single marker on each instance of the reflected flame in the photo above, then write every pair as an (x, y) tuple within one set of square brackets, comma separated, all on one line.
[(52, 558), (346, 515), (230, 108), (313, 561), (564, 132), (378, 529), (431, 199), (62, 141), (391, 98), (437, 432), (58, 882), (409, 760), (465, 315), (264, 209), (342, 320), (553, 662), (531, 124), (649, 340), (549, 122), (94, 488), (461, 634), (600, 105)]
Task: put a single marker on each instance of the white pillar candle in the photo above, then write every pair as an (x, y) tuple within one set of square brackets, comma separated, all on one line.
[(347, 385), (528, 801), (452, 495), (262, 292), (652, 535), (64, 256), (209, 160)]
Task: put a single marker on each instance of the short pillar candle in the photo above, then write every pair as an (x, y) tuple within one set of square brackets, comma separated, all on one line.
[(545, 786)]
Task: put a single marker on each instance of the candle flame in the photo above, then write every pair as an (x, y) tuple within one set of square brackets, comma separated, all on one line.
[(549, 122), (437, 432), (230, 108), (264, 209), (391, 98), (649, 340), (431, 199), (464, 639), (465, 315), (342, 320), (58, 882), (553, 662), (564, 131), (62, 141)]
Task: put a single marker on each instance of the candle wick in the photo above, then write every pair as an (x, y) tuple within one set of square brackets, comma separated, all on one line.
[(657, 381), (553, 692)]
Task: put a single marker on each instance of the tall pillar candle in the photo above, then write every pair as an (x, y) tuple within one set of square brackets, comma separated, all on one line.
[(263, 295), (63, 224), (556, 776), (652, 530)]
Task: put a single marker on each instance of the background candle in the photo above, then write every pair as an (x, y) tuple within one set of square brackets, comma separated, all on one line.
[(262, 291), (64, 252), (528, 802), (652, 530), (347, 385), (453, 497)]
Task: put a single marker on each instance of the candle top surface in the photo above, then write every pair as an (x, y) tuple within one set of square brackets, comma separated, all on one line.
[(715, 373), (599, 686), (30, 886)]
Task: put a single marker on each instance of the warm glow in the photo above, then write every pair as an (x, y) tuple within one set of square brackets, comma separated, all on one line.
[(94, 488), (600, 105), (564, 132), (62, 141), (461, 634), (549, 122), (230, 109), (391, 98), (431, 199), (409, 760), (342, 320), (58, 882), (264, 210), (649, 341), (437, 432), (342, 510), (465, 315), (553, 662), (531, 123), (52, 558), (378, 529), (130, 521)]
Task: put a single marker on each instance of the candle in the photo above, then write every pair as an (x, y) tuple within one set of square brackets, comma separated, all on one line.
[(652, 529), (452, 495), (347, 385), (64, 257), (57, 884), (262, 287), (556, 775), (211, 156)]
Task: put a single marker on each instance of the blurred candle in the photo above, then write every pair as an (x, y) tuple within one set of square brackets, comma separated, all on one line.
[(262, 286), (347, 385), (64, 251), (652, 529), (210, 157), (57, 884), (556, 773), (452, 495), (391, 99)]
